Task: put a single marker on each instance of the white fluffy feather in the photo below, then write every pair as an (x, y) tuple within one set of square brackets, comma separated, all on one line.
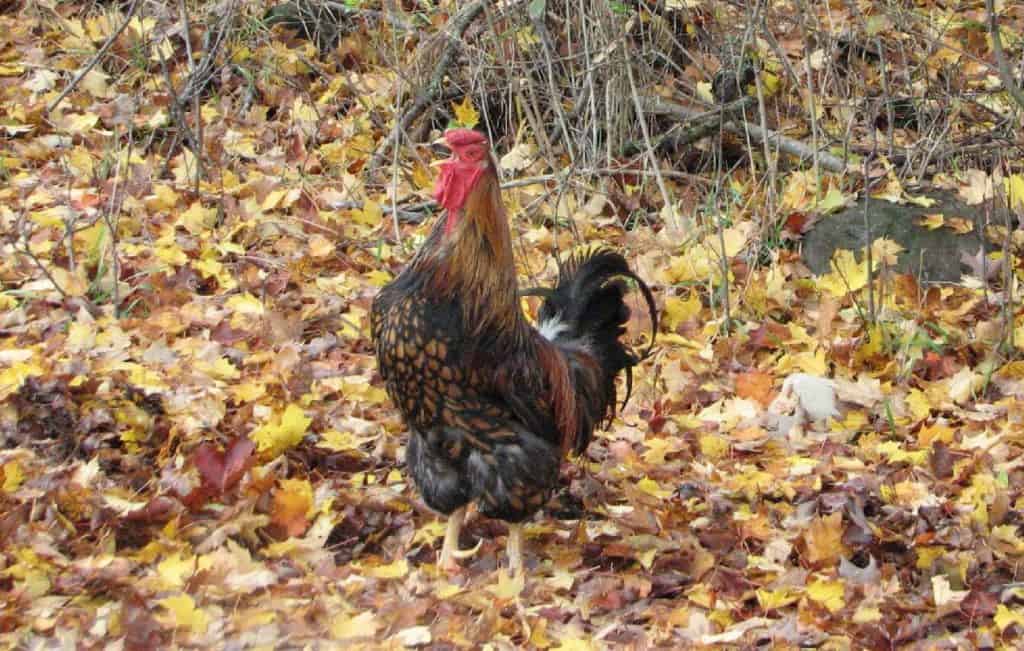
[(551, 328)]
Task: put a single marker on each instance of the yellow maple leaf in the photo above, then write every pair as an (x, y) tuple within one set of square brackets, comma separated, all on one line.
[(446, 590), (304, 112), (886, 251), (364, 624), (170, 254), (175, 569), (429, 532), (920, 406), (935, 432), (575, 644), (378, 277), (273, 199), (209, 267), (829, 594), (656, 451), (867, 615), (361, 389), (1014, 186), (1007, 534), (248, 391), (184, 613), (773, 599), (508, 587), (894, 452), (12, 377), (282, 431), (245, 304), (247, 309), (679, 310), (371, 214), (847, 274), (833, 200), (465, 113), (320, 246), (395, 570), (197, 219), (713, 446), (80, 161), (222, 369), (933, 221), (77, 123), (652, 487), (13, 475), (960, 225), (1005, 618)]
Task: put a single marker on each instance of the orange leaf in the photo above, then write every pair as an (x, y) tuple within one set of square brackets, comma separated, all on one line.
[(755, 385), (293, 502), (824, 538)]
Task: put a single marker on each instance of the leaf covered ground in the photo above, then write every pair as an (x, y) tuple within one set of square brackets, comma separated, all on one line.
[(197, 451)]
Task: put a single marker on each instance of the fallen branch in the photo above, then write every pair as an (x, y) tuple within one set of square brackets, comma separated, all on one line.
[(786, 145), (429, 94), (387, 17), (415, 213), (698, 126)]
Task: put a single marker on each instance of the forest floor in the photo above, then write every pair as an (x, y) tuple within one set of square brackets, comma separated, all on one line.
[(199, 453)]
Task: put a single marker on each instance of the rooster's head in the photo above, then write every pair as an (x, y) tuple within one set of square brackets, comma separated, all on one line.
[(470, 161)]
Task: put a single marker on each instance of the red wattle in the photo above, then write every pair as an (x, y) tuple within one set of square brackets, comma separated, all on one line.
[(456, 180)]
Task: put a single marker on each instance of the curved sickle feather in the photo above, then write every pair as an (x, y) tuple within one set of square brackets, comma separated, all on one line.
[(568, 266), (649, 297)]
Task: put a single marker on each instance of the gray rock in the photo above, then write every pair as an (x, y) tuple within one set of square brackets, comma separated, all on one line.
[(932, 255)]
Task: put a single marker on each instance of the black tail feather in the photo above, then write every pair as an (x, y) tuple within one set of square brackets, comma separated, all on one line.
[(588, 303)]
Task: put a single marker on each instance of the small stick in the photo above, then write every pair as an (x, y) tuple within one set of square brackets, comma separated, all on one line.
[(95, 59), (651, 158), (459, 23)]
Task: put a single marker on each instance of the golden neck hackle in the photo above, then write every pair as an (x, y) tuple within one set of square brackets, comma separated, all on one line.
[(475, 261)]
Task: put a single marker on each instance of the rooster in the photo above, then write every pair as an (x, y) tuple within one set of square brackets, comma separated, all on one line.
[(494, 404)]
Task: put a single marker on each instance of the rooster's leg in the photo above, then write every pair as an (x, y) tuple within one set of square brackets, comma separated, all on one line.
[(514, 548), (450, 548)]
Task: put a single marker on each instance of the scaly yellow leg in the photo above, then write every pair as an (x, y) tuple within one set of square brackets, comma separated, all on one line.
[(514, 548), (450, 548)]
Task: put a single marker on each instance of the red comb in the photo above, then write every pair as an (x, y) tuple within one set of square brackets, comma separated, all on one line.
[(463, 137)]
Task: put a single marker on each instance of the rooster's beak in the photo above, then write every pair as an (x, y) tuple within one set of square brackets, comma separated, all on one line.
[(443, 143)]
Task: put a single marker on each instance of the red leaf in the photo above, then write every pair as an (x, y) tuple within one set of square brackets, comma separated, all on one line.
[(979, 603), (220, 471), (159, 509), (85, 201), (795, 222), (210, 463), (770, 335), (239, 459)]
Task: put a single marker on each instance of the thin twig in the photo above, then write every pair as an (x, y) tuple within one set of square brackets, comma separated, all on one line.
[(1005, 73), (457, 26), (195, 97), (95, 59), (652, 159)]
